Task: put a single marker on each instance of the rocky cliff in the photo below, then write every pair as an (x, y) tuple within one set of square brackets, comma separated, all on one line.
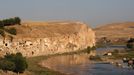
[(43, 38)]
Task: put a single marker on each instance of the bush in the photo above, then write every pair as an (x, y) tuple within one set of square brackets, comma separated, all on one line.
[(11, 21), (1, 25), (93, 48), (14, 62), (6, 65), (89, 49), (20, 63), (17, 20), (130, 43)]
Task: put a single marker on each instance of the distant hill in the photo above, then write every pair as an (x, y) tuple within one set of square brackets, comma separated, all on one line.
[(115, 31)]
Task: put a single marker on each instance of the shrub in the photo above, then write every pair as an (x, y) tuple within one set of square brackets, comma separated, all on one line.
[(11, 21), (14, 62), (93, 48), (9, 57), (130, 43), (1, 25), (17, 20), (20, 63), (89, 49), (6, 65)]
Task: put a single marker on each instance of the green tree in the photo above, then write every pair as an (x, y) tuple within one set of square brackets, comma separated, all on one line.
[(6, 22), (11, 21), (89, 49), (6, 65), (1, 25), (17, 20), (9, 57), (130, 43), (20, 63), (12, 60)]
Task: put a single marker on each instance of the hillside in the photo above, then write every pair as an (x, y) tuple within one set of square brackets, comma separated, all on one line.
[(46, 29), (115, 31), (43, 38)]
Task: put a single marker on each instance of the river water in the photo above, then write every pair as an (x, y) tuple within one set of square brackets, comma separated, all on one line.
[(79, 64)]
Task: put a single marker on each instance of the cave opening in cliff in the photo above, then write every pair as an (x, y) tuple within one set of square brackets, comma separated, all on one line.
[(6, 44)]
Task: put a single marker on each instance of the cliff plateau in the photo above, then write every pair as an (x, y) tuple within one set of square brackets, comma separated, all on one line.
[(43, 38)]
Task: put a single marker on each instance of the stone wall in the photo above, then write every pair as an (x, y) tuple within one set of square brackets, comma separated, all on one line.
[(33, 46)]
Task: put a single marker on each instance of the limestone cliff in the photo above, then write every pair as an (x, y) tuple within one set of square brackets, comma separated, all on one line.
[(38, 38)]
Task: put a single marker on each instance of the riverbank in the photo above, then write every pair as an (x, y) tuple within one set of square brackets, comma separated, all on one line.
[(79, 64), (36, 69), (117, 57)]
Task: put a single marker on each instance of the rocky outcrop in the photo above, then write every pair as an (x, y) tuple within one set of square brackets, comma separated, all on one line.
[(34, 39)]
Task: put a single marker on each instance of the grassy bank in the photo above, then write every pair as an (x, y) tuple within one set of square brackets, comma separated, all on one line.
[(36, 69), (127, 54)]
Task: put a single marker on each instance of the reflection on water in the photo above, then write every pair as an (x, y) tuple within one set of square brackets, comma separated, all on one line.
[(81, 65), (68, 60)]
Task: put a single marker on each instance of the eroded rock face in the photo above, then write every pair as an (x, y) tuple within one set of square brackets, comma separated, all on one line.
[(49, 38)]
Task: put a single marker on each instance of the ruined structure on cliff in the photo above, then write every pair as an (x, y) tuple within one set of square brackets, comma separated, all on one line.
[(37, 38)]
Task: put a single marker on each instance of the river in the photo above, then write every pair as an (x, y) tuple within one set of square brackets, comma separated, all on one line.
[(79, 64)]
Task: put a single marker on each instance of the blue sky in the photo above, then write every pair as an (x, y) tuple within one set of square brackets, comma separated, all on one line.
[(93, 12)]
